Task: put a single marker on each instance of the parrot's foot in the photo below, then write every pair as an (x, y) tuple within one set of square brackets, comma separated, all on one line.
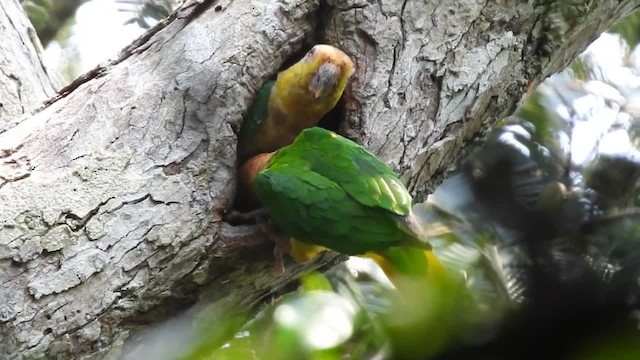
[(235, 217), (282, 245)]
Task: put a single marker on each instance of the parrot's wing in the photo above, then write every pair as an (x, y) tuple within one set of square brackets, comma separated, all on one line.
[(256, 114), (357, 171), (310, 207)]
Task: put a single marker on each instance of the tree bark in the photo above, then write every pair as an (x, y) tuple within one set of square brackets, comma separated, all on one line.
[(112, 195)]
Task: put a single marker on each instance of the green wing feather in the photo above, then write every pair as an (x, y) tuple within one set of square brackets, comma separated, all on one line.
[(257, 113), (357, 171), (311, 207)]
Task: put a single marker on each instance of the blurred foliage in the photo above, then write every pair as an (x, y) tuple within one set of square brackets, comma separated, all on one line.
[(72, 47), (147, 12), (628, 29), (50, 16)]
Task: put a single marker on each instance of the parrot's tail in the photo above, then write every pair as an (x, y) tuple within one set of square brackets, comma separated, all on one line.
[(458, 244), (422, 226), (302, 252), (404, 261)]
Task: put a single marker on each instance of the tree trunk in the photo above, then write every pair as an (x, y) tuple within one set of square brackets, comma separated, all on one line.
[(112, 194), (24, 81)]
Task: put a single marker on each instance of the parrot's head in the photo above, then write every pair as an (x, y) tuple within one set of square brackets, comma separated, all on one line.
[(330, 70)]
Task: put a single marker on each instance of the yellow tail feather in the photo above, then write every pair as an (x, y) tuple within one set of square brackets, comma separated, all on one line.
[(302, 252)]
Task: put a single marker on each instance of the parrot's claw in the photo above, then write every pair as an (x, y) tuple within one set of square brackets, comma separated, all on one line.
[(235, 217), (279, 250), (282, 245)]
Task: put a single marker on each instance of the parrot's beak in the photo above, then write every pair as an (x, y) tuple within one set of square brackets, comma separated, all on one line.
[(325, 80)]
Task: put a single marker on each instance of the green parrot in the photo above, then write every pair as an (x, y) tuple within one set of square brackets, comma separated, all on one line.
[(330, 192), (299, 97)]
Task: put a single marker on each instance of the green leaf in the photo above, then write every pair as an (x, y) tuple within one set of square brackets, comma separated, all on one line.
[(315, 281)]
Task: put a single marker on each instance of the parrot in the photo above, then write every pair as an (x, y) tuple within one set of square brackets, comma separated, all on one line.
[(326, 191), (299, 97)]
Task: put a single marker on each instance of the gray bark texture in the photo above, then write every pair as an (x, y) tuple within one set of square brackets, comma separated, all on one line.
[(112, 195), (24, 81)]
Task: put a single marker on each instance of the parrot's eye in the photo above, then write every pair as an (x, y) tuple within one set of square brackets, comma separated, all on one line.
[(311, 52)]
